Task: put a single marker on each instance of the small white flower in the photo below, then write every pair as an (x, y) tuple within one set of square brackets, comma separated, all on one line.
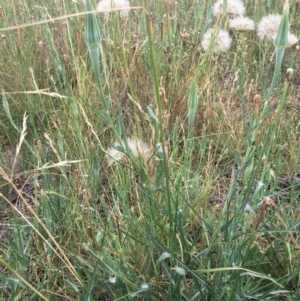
[(268, 26), (106, 5), (242, 23), (220, 40), (235, 7), (138, 148)]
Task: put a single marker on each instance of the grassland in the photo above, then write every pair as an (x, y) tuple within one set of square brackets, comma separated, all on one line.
[(212, 215)]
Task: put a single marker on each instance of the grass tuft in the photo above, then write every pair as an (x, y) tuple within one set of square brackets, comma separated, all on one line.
[(148, 156)]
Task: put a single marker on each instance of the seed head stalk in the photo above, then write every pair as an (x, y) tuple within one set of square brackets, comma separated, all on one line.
[(161, 135), (281, 42), (93, 40)]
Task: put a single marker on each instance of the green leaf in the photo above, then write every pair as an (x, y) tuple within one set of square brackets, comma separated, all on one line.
[(180, 271), (7, 111), (164, 256), (192, 104), (152, 114)]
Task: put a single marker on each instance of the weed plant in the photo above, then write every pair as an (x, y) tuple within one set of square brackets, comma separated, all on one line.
[(210, 212)]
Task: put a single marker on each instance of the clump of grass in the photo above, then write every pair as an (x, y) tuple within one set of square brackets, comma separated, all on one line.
[(201, 201)]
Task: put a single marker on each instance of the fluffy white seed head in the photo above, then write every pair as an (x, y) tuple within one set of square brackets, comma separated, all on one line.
[(220, 40), (138, 148), (292, 39), (290, 71), (105, 5), (242, 23), (268, 26), (235, 7)]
